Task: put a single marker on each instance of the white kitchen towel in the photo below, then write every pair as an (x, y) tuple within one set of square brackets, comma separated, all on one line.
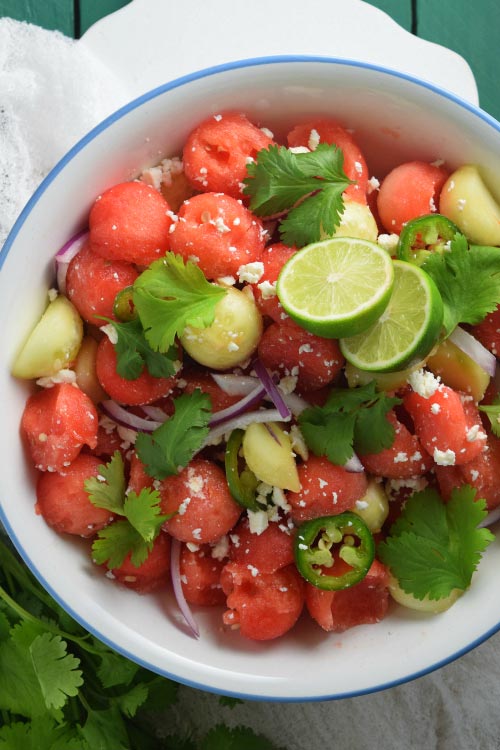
[(51, 93)]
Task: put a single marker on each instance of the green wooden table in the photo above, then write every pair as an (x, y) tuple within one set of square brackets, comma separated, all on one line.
[(471, 29)]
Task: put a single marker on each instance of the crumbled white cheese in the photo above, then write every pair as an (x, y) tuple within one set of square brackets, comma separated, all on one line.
[(267, 289), (444, 458), (63, 376), (424, 382), (314, 140), (251, 272), (388, 242), (258, 521)]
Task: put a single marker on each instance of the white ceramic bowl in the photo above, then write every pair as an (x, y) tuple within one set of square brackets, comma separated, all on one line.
[(395, 118)]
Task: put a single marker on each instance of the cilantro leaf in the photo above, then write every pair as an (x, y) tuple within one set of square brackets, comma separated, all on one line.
[(309, 184), (141, 522), (107, 490), (55, 669), (134, 352), (143, 513), (435, 547), (493, 413), (353, 419), (172, 445), (105, 729), (113, 543), (170, 295), (468, 280)]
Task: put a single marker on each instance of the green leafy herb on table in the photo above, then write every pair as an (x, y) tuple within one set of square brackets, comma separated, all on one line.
[(171, 295), (468, 280), (309, 186), (172, 445), (141, 522), (435, 547), (62, 689), (352, 420)]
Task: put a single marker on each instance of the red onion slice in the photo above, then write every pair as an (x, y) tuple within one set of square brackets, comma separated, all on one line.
[(251, 399), (492, 517), (175, 572), (65, 255), (235, 385), (271, 388), (154, 412), (121, 416), (474, 349), (241, 422)]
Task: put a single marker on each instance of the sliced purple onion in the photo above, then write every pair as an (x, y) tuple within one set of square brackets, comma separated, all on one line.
[(295, 403), (251, 399), (235, 385), (492, 517), (154, 412), (474, 349), (271, 388), (121, 416), (65, 255), (242, 422), (175, 572), (354, 465)]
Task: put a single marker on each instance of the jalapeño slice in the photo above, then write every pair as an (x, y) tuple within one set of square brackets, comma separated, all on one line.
[(424, 235), (242, 484), (319, 541)]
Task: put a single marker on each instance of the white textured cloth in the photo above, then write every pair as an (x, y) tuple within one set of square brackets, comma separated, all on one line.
[(51, 93)]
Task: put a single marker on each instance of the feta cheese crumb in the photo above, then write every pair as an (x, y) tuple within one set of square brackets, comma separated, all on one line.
[(63, 376), (424, 383), (388, 242), (251, 272), (267, 289), (258, 521), (314, 140), (444, 458)]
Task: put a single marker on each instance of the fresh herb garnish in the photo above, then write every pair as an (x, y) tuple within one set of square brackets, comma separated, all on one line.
[(493, 413), (172, 445), (133, 353), (133, 534), (309, 184), (352, 420), (171, 295), (62, 689), (435, 547), (468, 280)]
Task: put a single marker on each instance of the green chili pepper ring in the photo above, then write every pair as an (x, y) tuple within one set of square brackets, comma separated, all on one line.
[(242, 486), (430, 231), (316, 542)]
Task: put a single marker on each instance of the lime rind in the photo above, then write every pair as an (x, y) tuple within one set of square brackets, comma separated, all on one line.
[(406, 331), (337, 287)]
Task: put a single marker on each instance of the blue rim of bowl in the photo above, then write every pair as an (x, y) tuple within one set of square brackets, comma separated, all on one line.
[(176, 83)]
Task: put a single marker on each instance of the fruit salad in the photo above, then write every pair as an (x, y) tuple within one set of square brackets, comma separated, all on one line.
[(266, 379)]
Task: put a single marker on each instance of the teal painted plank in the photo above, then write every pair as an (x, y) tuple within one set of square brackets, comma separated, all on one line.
[(399, 10), (472, 30), (50, 14), (92, 10)]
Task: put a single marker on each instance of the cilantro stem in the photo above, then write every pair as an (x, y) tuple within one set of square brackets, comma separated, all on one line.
[(14, 570), (25, 615)]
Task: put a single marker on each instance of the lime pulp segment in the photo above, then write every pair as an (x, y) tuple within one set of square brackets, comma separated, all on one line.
[(406, 331), (336, 287)]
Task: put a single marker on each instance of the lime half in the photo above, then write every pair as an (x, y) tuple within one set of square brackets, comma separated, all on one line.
[(408, 328), (337, 287)]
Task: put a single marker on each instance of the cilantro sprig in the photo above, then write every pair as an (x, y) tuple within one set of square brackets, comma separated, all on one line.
[(172, 445), (133, 353), (62, 689), (468, 280), (141, 520), (435, 547), (352, 420), (170, 295), (309, 184)]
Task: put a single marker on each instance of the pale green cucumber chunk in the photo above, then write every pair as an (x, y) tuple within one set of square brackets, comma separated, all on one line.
[(53, 343)]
